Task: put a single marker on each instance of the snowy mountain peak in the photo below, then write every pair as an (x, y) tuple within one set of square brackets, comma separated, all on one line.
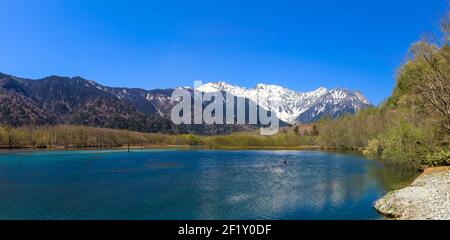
[(295, 105), (319, 91), (268, 87), (361, 97), (219, 86)]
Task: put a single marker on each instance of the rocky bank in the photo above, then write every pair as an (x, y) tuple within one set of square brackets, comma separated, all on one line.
[(428, 197)]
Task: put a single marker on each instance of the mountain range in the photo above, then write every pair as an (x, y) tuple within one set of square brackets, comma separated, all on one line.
[(297, 107), (74, 100)]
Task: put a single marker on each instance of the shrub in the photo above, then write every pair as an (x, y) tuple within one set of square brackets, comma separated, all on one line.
[(438, 158), (404, 143), (374, 148)]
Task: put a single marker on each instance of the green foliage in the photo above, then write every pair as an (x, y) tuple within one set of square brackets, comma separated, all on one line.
[(73, 136), (405, 143), (413, 125), (374, 148), (353, 132), (80, 136), (3, 136), (244, 140), (438, 158)]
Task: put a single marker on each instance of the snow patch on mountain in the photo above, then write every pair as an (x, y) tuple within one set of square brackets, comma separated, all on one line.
[(292, 104)]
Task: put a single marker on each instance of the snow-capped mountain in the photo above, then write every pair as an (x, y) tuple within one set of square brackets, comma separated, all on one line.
[(295, 107)]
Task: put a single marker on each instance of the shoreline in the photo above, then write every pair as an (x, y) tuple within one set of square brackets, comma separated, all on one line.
[(168, 146), (427, 198)]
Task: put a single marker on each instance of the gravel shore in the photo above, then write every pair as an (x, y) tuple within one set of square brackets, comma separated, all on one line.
[(428, 197)]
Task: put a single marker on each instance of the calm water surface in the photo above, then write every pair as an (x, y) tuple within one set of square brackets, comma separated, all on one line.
[(174, 184)]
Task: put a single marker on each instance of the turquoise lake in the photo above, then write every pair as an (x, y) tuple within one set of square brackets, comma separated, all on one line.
[(193, 184)]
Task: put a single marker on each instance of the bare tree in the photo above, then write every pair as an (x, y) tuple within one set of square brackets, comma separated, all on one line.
[(433, 84)]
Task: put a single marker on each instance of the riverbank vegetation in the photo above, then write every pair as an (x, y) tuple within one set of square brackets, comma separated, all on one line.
[(84, 137)]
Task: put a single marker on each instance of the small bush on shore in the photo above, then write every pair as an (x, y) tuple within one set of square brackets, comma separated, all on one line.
[(438, 158), (374, 148)]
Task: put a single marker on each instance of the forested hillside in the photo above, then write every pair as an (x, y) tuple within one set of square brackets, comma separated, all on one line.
[(413, 125)]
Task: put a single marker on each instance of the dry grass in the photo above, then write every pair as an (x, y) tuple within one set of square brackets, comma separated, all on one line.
[(436, 170)]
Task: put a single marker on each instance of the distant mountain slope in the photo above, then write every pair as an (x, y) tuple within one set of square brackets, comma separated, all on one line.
[(60, 100), (64, 100)]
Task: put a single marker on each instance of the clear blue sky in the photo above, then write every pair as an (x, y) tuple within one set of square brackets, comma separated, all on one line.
[(161, 44)]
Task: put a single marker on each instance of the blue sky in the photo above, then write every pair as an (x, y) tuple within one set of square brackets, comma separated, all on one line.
[(161, 44)]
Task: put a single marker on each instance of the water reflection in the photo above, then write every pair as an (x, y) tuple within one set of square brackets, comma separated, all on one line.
[(193, 185), (260, 185)]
